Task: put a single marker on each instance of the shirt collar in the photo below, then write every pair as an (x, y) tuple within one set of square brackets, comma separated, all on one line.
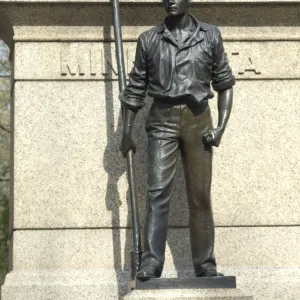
[(199, 26)]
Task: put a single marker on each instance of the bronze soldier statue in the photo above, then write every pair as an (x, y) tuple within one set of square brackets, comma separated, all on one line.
[(176, 62)]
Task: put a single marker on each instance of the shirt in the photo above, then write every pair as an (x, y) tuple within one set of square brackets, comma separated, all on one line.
[(170, 71)]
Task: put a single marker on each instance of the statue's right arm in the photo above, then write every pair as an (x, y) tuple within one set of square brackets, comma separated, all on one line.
[(133, 96), (127, 142)]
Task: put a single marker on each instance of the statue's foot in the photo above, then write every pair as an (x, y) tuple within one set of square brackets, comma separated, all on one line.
[(210, 273), (147, 272)]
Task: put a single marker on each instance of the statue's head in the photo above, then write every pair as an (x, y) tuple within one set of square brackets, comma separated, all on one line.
[(176, 7)]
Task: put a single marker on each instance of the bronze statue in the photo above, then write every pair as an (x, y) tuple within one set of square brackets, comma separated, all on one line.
[(176, 62)]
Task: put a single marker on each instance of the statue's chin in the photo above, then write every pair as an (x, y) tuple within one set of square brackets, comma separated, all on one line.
[(175, 13)]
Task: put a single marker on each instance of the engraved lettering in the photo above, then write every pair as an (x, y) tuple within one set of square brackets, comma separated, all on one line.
[(127, 60), (250, 67), (96, 61), (104, 73), (93, 64), (71, 64), (110, 66)]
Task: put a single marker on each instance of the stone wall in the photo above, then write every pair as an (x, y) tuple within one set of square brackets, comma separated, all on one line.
[(71, 223)]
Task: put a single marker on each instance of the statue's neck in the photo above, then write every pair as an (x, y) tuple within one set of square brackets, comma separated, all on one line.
[(179, 22)]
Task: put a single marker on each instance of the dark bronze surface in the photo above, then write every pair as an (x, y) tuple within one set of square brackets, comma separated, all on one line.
[(168, 69), (176, 62), (172, 127), (222, 282)]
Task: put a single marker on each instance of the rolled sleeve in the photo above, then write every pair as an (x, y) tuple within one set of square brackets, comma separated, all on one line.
[(135, 92), (222, 78)]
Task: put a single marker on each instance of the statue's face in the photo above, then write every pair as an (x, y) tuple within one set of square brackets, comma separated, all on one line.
[(176, 7)]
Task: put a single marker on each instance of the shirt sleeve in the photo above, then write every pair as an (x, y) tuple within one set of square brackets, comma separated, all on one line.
[(222, 78), (135, 92)]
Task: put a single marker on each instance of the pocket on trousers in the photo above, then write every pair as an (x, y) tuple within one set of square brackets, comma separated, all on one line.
[(158, 114)]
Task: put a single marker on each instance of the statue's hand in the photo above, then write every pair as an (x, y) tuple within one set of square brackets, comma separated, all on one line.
[(127, 144), (213, 137)]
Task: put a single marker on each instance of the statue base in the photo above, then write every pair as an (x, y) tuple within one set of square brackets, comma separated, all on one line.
[(218, 282)]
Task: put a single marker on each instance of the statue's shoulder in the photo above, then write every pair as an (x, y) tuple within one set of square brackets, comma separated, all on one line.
[(150, 33), (210, 28), (213, 33), (149, 37)]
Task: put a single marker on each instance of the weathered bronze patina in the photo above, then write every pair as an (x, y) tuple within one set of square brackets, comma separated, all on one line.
[(176, 63)]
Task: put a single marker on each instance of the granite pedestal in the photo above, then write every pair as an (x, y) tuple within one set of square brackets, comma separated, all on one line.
[(70, 228)]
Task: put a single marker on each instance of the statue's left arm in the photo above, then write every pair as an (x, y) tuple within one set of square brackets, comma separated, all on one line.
[(214, 136), (222, 82)]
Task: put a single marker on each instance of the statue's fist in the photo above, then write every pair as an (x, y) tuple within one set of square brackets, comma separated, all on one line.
[(213, 137), (127, 144)]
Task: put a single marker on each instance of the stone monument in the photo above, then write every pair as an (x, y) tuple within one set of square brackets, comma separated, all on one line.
[(70, 234), (175, 64)]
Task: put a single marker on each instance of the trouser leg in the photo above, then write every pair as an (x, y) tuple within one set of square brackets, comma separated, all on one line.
[(161, 166), (197, 163), (162, 156)]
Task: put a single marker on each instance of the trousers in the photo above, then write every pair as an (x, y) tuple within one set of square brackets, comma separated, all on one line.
[(173, 127)]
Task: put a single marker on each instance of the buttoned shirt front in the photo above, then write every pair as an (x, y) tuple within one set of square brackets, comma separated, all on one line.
[(170, 71)]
